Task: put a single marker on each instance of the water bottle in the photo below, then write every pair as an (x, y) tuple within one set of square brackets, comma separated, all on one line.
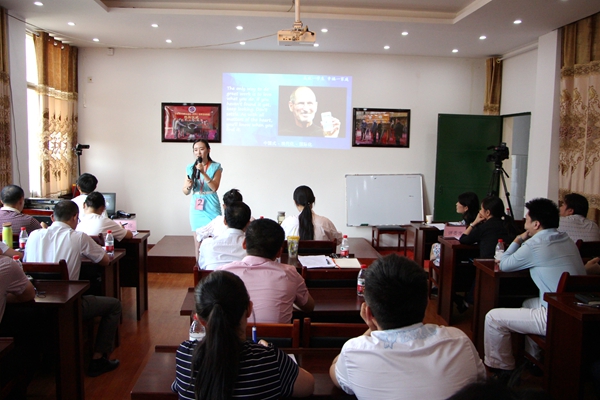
[(197, 331), (360, 281), (18, 261), (499, 250), (23, 236), (109, 243), (345, 247), (7, 234), (280, 217)]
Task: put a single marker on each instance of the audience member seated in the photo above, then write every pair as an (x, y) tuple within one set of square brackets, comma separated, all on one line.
[(547, 253), (573, 221), (13, 199), (61, 241), (228, 246), (308, 225), (217, 225), (274, 287), (592, 267), (399, 357), (86, 184), (490, 225), (93, 222), (224, 365)]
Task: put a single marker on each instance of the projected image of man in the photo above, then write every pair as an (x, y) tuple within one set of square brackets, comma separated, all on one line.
[(303, 106)]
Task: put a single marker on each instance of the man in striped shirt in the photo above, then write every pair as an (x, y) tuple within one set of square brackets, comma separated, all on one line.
[(13, 200)]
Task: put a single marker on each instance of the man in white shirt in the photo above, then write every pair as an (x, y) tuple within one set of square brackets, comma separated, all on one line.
[(399, 357), (217, 225), (573, 221), (61, 241), (228, 246), (86, 184), (93, 222)]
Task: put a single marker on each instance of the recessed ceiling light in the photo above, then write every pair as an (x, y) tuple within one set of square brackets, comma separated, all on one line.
[(243, 43), (154, 25), (96, 39), (169, 41), (404, 33), (455, 51), (482, 37), (239, 27), (316, 45), (517, 21), (71, 23), (386, 47), (38, 3), (324, 30)]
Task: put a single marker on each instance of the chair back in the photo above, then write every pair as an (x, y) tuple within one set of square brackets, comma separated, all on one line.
[(588, 250), (330, 277), (578, 283), (199, 274), (41, 270), (329, 334), (281, 335), (313, 247), (98, 239)]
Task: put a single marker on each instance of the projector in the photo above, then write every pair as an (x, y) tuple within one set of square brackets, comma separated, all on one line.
[(296, 37)]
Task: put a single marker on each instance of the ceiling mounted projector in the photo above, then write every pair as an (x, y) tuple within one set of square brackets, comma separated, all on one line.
[(299, 35)]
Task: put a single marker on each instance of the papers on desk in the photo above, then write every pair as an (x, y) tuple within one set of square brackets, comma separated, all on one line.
[(439, 226), (316, 261), (347, 262)]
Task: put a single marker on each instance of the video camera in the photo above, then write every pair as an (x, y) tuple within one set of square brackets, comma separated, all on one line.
[(500, 154)]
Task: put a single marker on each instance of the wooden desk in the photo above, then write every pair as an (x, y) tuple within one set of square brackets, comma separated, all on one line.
[(495, 289), (6, 344), (134, 268), (62, 303), (109, 274), (172, 254), (361, 248), (158, 374), (425, 237), (331, 304), (572, 343), (452, 253)]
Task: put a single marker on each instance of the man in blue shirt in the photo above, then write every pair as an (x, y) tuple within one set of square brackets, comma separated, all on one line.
[(547, 253)]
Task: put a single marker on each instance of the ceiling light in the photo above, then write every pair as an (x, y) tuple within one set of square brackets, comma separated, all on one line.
[(455, 51), (71, 23), (239, 27), (154, 25), (482, 37), (243, 43), (386, 47), (316, 45), (169, 41), (404, 33), (38, 3), (96, 39), (517, 21), (324, 30)]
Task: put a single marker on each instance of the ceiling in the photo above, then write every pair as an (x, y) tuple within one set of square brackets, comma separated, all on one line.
[(435, 27)]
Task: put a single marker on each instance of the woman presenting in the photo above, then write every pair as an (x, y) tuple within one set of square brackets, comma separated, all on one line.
[(202, 181)]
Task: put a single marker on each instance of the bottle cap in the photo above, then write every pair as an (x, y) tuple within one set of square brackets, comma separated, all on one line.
[(363, 266), (109, 231), (346, 236), (16, 258), (7, 224), (500, 240), (22, 228)]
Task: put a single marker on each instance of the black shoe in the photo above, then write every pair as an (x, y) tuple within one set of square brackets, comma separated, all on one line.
[(434, 291), (461, 305), (102, 365), (502, 376)]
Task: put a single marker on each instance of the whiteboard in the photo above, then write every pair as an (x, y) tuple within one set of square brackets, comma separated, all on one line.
[(383, 199)]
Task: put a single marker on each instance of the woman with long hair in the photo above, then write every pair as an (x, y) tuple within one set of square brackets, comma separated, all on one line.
[(224, 364), (202, 182), (468, 206), (308, 225)]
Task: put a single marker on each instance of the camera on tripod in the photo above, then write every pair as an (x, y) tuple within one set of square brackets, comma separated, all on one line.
[(500, 154)]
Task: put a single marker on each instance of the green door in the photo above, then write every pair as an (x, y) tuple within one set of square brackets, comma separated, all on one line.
[(461, 159)]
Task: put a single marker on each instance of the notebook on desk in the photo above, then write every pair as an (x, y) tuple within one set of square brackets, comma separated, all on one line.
[(454, 230)]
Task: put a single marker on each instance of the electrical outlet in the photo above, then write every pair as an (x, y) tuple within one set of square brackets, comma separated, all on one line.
[(90, 79)]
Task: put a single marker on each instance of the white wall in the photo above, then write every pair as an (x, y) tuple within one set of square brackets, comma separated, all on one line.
[(119, 116), (518, 83)]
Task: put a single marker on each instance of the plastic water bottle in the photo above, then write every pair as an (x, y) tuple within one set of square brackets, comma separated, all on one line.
[(23, 236), (345, 247), (360, 281), (109, 243), (197, 331), (18, 261), (499, 250)]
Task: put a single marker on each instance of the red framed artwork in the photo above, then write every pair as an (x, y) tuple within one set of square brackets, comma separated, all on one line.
[(187, 122), (381, 127)]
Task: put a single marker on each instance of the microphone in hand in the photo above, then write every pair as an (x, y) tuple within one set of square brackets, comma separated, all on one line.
[(196, 170)]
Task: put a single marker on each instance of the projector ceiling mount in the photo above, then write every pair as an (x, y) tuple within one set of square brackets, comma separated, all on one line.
[(299, 35)]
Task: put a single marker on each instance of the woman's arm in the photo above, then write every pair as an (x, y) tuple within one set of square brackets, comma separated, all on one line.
[(187, 186), (213, 183)]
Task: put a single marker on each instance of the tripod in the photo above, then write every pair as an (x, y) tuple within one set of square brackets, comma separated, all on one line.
[(497, 176)]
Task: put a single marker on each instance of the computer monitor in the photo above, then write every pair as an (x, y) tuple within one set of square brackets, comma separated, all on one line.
[(111, 203)]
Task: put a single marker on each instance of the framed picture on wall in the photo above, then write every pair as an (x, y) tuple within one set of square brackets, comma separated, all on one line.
[(380, 127), (187, 122)]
